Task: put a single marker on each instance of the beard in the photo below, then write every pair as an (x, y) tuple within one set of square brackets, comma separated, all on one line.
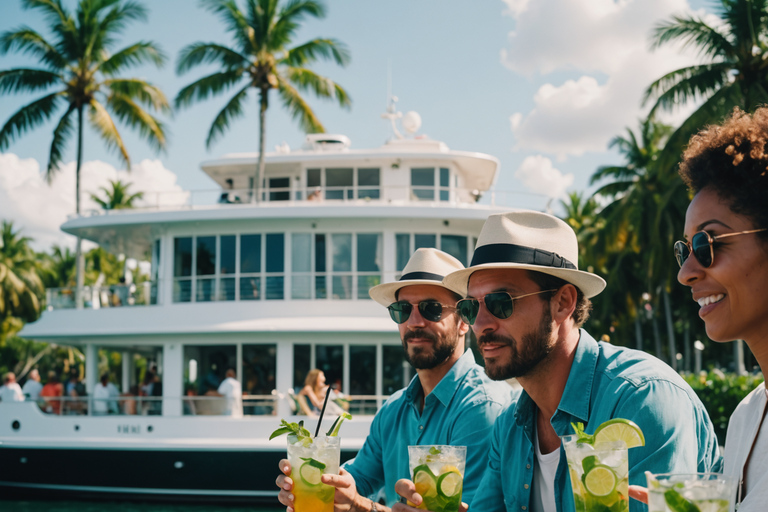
[(428, 357), (525, 356)]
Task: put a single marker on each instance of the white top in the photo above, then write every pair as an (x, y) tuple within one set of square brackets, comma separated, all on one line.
[(543, 492), (32, 389), (11, 393), (742, 434), (232, 389), (102, 396)]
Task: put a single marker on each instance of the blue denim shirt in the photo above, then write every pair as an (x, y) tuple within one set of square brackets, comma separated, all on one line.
[(459, 411), (604, 382)]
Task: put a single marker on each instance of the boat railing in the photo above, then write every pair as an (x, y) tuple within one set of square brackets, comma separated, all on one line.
[(108, 296), (331, 195), (192, 405)]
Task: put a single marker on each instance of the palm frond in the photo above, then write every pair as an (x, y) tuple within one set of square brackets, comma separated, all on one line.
[(235, 21), (102, 122), (61, 135), (27, 41), (232, 110), (687, 84), (207, 53), (288, 21), (27, 80), (308, 80), (133, 55), (131, 113), (209, 85), (311, 50), (693, 32), (28, 117), (299, 109), (146, 93)]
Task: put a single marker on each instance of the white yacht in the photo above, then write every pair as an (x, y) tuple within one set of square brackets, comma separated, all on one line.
[(270, 286)]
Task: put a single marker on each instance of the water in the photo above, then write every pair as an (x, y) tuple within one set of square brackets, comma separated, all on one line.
[(113, 506)]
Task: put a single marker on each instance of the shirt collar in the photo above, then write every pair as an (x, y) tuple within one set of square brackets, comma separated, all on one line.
[(448, 385), (578, 387)]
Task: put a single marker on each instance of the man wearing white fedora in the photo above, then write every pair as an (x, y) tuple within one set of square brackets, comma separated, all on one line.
[(450, 401), (526, 302)]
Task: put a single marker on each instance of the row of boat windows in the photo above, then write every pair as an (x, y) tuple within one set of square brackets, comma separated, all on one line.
[(427, 183), (342, 266)]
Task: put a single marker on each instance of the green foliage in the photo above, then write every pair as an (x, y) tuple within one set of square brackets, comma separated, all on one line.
[(721, 393), (118, 197)]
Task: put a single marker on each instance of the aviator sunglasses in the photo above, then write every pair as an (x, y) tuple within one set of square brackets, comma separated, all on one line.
[(499, 304), (702, 246), (431, 310)]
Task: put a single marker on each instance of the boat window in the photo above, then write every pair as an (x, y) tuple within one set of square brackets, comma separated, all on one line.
[(369, 254), (301, 268), (155, 272), (430, 184), (342, 263), (279, 189), (182, 269), (275, 264), (396, 372), (403, 243), (368, 183), (362, 370), (445, 184), (344, 183), (313, 178), (227, 259), (258, 377), (339, 183), (302, 355), (213, 361), (422, 240), (456, 246), (321, 284), (330, 359), (206, 266)]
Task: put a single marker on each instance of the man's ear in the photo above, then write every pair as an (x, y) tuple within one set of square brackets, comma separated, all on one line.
[(563, 303)]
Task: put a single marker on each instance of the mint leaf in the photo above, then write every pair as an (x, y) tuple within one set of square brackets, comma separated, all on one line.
[(296, 429)]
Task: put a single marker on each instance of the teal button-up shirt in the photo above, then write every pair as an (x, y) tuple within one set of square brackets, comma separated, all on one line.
[(460, 411), (605, 382)]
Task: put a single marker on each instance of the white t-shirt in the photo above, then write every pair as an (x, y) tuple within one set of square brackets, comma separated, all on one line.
[(103, 398), (742, 433), (231, 389), (11, 393), (32, 388), (544, 469)]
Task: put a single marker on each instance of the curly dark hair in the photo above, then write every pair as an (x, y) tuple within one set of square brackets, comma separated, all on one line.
[(732, 159)]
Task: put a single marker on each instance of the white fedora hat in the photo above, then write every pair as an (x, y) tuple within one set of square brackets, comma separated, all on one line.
[(426, 266), (528, 240)]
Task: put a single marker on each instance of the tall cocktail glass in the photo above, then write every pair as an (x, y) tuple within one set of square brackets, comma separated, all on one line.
[(707, 492), (309, 460), (599, 475), (438, 473)]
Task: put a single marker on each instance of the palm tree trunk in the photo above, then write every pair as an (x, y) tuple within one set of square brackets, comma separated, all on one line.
[(259, 179), (638, 331), (80, 261), (670, 330), (656, 335)]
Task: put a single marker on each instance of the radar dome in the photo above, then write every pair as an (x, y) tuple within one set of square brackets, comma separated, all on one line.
[(411, 122)]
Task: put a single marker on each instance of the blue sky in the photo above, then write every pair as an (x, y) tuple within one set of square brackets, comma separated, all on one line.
[(542, 85)]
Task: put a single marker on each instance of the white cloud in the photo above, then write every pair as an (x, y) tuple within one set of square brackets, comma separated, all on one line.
[(39, 209), (540, 176), (604, 44), (516, 7)]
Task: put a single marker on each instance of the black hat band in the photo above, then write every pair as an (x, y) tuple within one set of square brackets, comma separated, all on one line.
[(410, 276), (511, 253)]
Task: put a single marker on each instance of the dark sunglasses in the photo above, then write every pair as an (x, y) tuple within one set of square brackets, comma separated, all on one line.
[(702, 246), (499, 304), (431, 310)]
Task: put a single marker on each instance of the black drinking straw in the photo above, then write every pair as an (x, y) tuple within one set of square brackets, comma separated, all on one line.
[(325, 402)]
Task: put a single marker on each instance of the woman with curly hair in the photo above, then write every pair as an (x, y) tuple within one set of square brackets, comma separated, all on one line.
[(724, 260)]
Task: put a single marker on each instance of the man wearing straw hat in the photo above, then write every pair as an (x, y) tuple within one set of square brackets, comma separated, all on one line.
[(449, 401), (527, 301)]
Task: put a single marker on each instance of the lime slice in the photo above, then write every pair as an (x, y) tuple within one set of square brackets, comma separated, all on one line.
[(588, 463), (311, 471), (601, 481), (619, 429), (449, 484), (425, 482), (677, 503)]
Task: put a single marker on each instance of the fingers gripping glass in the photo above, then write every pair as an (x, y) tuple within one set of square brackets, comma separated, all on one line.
[(499, 304), (702, 246), (431, 310)]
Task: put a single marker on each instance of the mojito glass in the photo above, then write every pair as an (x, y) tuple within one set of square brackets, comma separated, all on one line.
[(599, 475), (309, 460), (702, 492), (438, 474)]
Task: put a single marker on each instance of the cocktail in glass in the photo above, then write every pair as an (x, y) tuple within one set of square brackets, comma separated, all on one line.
[(310, 458), (702, 492), (438, 474), (599, 474)]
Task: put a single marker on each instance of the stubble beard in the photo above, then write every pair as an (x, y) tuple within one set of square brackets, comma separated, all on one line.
[(525, 356), (428, 357)]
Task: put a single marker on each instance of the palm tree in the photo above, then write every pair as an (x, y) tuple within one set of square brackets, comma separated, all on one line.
[(261, 58), (735, 74), (118, 197), (21, 290), (58, 268), (81, 68)]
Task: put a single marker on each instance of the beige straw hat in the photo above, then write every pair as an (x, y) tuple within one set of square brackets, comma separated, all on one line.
[(531, 241), (426, 266)]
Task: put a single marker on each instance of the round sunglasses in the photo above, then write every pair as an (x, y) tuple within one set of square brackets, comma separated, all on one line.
[(702, 246), (431, 310), (499, 304)]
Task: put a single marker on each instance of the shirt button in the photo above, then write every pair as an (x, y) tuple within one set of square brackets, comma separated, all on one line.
[(526, 486), (527, 466), (421, 427), (524, 507)]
